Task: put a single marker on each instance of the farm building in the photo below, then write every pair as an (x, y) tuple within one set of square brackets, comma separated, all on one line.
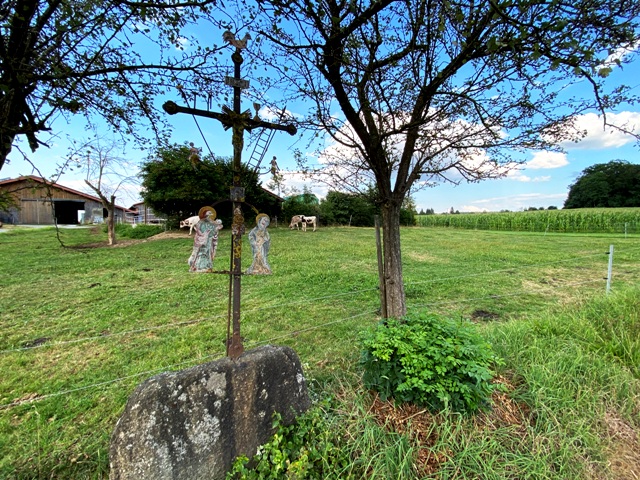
[(37, 202), (143, 214)]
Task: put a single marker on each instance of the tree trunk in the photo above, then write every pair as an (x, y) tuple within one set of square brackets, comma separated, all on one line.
[(110, 206), (111, 223), (393, 280), (6, 141)]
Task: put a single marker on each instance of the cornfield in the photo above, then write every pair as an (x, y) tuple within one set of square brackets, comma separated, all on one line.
[(600, 220)]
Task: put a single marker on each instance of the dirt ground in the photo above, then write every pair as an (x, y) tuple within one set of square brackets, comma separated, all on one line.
[(171, 234)]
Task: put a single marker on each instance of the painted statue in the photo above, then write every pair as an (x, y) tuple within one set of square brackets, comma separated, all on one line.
[(205, 242), (260, 242)]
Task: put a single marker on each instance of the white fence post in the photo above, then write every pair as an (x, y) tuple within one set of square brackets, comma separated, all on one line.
[(609, 269)]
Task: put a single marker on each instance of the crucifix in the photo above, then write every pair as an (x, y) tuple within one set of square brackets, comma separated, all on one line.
[(239, 122)]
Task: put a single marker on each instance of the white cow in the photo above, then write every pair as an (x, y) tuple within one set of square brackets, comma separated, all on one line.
[(308, 221), (190, 222), (301, 219)]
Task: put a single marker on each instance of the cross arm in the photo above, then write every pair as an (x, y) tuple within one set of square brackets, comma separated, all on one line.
[(290, 129), (172, 108)]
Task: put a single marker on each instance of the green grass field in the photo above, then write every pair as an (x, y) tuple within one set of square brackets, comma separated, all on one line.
[(83, 325)]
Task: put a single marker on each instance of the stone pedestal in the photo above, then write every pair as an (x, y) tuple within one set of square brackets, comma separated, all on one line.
[(192, 424)]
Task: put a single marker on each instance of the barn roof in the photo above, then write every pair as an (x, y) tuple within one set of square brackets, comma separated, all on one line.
[(269, 192), (42, 181)]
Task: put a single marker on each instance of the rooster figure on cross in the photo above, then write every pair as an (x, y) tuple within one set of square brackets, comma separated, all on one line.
[(230, 38)]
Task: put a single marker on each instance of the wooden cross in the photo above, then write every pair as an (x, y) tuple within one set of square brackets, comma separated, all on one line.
[(239, 122)]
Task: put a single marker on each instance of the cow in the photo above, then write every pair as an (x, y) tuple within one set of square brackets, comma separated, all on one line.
[(295, 220), (190, 222), (308, 221), (301, 219)]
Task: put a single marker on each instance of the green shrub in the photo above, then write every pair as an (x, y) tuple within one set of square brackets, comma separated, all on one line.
[(138, 232), (309, 449), (429, 361), (142, 231)]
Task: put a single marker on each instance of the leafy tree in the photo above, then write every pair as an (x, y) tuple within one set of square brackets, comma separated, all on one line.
[(174, 186), (339, 208), (7, 201), (358, 210), (613, 184), (408, 212), (62, 57), (435, 90), (305, 203)]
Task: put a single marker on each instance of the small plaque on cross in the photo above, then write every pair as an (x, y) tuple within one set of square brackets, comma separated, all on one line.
[(236, 82)]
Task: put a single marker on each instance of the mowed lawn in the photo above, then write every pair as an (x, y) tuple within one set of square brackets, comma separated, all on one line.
[(83, 324)]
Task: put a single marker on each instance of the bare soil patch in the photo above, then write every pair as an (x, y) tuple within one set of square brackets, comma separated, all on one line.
[(419, 424), (624, 449), (484, 315), (171, 234)]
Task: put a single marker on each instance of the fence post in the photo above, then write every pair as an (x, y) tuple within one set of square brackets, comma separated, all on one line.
[(609, 270), (383, 293)]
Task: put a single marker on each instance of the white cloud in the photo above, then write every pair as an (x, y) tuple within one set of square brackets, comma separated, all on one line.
[(620, 54), (455, 165), (472, 209), (518, 176), (599, 137), (270, 115), (182, 43), (547, 160)]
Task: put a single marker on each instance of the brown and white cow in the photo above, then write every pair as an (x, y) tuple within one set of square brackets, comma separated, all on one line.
[(295, 221)]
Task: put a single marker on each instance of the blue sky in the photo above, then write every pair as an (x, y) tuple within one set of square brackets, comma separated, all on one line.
[(542, 181)]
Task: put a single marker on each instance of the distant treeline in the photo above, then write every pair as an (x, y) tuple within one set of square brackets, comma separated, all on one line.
[(590, 220)]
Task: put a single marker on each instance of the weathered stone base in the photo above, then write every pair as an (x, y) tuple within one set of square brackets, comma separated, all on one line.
[(192, 424)]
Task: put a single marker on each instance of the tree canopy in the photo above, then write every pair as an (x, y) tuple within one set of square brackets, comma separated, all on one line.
[(439, 90), (613, 184), (358, 210), (339, 208), (176, 187), (305, 203), (103, 59)]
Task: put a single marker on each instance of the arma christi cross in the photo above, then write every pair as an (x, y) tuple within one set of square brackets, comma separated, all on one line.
[(239, 122)]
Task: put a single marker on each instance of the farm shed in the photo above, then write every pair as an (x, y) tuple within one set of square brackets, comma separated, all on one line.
[(37, 202), (144, 214)]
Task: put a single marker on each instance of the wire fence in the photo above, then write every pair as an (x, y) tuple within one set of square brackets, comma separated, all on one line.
[(369, 294)]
